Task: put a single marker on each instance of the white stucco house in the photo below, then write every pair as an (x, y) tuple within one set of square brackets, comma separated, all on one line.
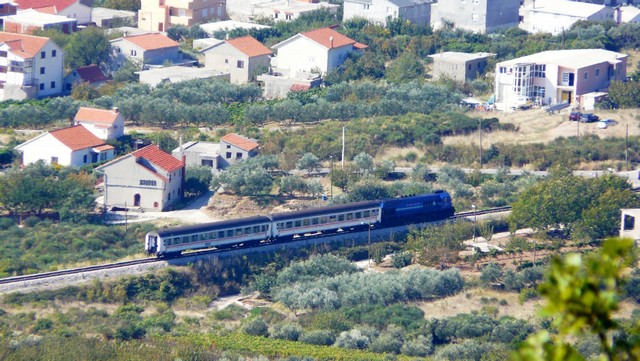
[(556, 76), (147, 178), (318, 50), (241, 57), (74, 9), (418, 12), (73, 146), (30, 67), (103, 123), (552, 16)]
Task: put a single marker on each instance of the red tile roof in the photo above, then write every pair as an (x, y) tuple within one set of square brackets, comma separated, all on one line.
[(26, 46), (330, 38), (93, 115), (37, 4), (151, 41), (77, 137), (249, 46), (158, 157), (91, 73), (240, 142)]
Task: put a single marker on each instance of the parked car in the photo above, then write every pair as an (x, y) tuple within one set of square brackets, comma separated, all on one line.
[(605, 123), (575, 116), (588, 118)]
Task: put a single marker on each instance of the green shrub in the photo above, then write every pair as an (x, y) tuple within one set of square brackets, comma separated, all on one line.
[(256, 327), (6, 223), (318, 337), (420, 346), (527, 294), (31, 221), (43, 324), (286, 331), (401, 259)]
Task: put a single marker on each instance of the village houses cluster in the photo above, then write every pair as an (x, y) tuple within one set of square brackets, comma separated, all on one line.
[(33, 67)]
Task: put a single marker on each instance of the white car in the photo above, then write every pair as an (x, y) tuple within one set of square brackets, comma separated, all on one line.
[(604, 123)]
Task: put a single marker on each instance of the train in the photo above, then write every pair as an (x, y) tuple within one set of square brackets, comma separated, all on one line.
[(297, 225)]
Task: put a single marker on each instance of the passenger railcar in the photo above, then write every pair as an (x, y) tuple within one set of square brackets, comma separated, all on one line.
[(283, 227), (217, 234)]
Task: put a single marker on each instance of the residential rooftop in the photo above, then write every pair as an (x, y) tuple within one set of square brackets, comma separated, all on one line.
[(575, 58), (37, 18), (565, 7), (454, 55), (26, 46)]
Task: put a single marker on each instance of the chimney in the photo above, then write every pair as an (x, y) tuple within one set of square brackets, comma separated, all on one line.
[(331, 42), (115, 110)]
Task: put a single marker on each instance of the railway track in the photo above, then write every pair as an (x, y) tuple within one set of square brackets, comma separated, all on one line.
[(124, 264)]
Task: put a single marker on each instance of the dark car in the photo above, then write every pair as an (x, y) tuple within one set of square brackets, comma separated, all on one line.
[(589, 118), (575, 116)]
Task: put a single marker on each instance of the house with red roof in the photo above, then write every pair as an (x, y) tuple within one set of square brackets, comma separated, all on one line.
[(28, 21), (152, 49), (90, 74), (160, 15), (73, 146), (241, 57), (103, 123), (217, 156), (148, 178), (30, 67), (75, 9), (314, 51)]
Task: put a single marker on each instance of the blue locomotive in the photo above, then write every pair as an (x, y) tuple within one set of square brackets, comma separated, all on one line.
[(283, 227)]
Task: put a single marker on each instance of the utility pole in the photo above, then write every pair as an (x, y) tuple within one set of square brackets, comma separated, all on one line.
[(626, 147), (343, 130), (480, 130), (331, 177)]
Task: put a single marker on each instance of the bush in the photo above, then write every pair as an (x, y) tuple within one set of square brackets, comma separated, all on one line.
[(389, 341), (318, 337), (353, 339), (6, 223), (420, 346), (466, 351), (43, 324), (31, 221), (402, 259), (256, 327), (286, 331), (527, 294)]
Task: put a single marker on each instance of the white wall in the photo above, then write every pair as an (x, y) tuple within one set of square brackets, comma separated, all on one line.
[(302, 54), (77, 11), (45, 147)]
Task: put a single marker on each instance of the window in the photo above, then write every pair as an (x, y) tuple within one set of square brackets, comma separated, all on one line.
[(539, 71), (239, 155), (538, 92), (41, 86), (169, 198), (54, 160), (476, 2), (54, 53), (84, 158), (228, 146), (207, 163), (240, 64), (133, 53), (144, 182), (503, 70), (3, 69), (43, 54), (228, 155), (42, 70), (585, 75), (469, 66), (288, 16), (365, 6), (474, 17), (53, 85), (103, 156), (597, 72), (226, 61), (3, 54)]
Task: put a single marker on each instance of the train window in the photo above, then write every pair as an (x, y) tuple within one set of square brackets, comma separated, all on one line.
[(349, 216), (306, 222), (256, 229), (230, 233), (247, 230), (314, 221), (238, 231), (358, 215), (298, 223), (194, 238), (289, 225), (323, 220), (203, 236), (185, 239), (220, 234), (366, 214), (332, 218), (264, 228), (375, 212), (340, 217)]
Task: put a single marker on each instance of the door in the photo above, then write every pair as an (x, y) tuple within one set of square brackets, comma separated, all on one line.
[(565, 96), (136, 200)]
